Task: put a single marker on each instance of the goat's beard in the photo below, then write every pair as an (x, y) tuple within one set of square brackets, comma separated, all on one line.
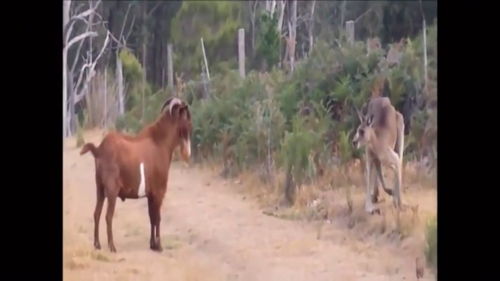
[(186, 150)]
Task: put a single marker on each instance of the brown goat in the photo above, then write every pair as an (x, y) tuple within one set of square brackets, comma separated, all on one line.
[(137, 166)]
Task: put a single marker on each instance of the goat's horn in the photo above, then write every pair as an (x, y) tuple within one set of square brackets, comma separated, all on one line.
[(171, 102), (174, 102), (164, 104)]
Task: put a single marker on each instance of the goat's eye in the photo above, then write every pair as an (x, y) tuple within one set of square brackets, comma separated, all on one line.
[(361, 132)]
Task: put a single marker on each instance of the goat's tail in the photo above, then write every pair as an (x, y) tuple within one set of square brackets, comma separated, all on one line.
[(90, 146)]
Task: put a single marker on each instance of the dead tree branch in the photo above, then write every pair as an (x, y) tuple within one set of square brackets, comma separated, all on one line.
[(91, 72)]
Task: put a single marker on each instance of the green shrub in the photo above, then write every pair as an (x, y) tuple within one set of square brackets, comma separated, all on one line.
[(80, 141), (431, 247), (245, 121), (305, 138), (268, 44), (132, 68)]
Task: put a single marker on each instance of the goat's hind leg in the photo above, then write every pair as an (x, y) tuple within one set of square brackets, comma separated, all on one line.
[(109, 222), (112, 189), (97, 214)]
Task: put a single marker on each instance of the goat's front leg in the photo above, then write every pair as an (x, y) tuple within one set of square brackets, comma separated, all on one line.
[(154, 204), (158, 203), (152, 220)]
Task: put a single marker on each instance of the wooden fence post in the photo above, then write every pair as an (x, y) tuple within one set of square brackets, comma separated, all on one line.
[(170, 66), (241, 51), (349, 27)]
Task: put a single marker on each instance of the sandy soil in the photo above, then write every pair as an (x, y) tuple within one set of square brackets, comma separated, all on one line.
[(211, 231)]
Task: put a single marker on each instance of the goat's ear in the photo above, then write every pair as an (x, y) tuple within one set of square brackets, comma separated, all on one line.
[(184, 112)]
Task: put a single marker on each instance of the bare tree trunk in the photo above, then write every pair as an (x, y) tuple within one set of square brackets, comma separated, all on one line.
[(69, 104), (293, 32), (170, 66), (342, 12), (119, 80), (425, 56), (66, 8), (144, 57), (241, 51), (281, 9), (311, 26), (65, 92), (273, 5), (105, 118), (253, 11), (143, 77), (71, 108)]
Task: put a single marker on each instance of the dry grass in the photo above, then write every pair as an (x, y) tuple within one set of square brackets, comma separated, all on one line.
[(76, 263), (338, 196)]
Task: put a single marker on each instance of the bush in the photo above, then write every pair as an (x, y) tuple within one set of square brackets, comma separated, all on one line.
[(431, 247), (133, 77), (132, 120), (298, 146), (132, 69), (268, 44), (80, 141), (244, 122)]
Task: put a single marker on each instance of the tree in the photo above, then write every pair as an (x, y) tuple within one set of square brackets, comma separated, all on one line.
[(217, 22), (75, 81), (269, 41)]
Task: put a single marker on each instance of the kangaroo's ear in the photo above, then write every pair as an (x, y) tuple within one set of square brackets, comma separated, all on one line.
[(369, 122), (360, 116)]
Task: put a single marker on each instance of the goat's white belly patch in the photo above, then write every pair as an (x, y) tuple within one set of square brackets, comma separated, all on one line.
[(142, 184)]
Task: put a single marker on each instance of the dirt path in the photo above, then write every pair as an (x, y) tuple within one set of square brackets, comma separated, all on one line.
[(210, 231)]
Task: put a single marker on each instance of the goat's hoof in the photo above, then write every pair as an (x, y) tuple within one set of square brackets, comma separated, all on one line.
[(97, 245), (112, 249), (157, 248)]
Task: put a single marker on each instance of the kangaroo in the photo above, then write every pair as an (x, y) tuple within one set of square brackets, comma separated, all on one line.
[(381, 133)]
